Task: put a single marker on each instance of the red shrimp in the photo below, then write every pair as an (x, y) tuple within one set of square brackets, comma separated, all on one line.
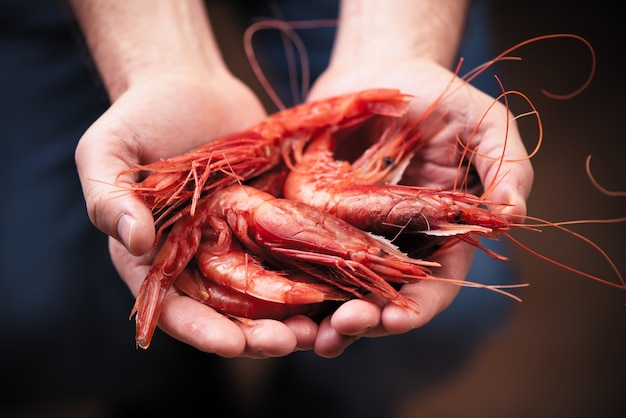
[(175, 182), (240, 305), (231, 266)]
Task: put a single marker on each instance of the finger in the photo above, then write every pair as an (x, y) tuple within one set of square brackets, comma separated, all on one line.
[(267, 338), (305, 330), (503, 163), (432, 296), (329, 343), (356, 317), (201, 327)]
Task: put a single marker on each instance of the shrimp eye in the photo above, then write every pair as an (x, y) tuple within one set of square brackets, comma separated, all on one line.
[(388, 160), (455, 214)]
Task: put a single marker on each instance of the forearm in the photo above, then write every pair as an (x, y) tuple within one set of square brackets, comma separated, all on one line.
[(130, 40), (385, 30)]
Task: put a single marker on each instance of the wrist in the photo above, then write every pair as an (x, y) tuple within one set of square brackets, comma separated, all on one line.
[(132, 40), (382, 31)]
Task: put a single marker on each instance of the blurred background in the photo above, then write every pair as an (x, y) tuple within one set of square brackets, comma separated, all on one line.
[(560, 352)]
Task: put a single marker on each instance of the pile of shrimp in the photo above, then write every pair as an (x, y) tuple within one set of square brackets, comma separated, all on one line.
[(266, 223)]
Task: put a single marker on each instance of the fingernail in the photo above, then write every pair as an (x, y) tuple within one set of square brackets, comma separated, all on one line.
[(125, 229)]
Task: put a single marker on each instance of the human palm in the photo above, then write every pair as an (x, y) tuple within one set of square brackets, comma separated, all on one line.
[(456, 115)]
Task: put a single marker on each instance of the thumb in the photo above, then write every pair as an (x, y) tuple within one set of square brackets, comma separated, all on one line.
[(111, 204)]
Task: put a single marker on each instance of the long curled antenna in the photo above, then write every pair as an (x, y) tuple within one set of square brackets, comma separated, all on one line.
[(288, 29)]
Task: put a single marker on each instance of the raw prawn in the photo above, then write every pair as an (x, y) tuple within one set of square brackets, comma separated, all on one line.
[(228, 264), (358, 194), (175, 182), (236, 304)]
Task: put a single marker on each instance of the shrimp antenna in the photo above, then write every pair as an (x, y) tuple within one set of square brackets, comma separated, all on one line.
[(503, 56), (288, 30), (561, 226), (596, 184)]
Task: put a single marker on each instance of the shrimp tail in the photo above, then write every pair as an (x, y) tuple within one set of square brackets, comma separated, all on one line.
[(178, 248)]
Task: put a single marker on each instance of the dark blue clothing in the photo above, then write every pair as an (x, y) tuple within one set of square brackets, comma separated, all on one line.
[(64, 311)]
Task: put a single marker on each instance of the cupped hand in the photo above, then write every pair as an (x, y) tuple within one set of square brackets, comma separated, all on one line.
[(155, 119), (465, 116)]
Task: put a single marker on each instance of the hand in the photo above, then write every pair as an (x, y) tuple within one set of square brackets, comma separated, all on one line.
[(436, 165), (159, 118)]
